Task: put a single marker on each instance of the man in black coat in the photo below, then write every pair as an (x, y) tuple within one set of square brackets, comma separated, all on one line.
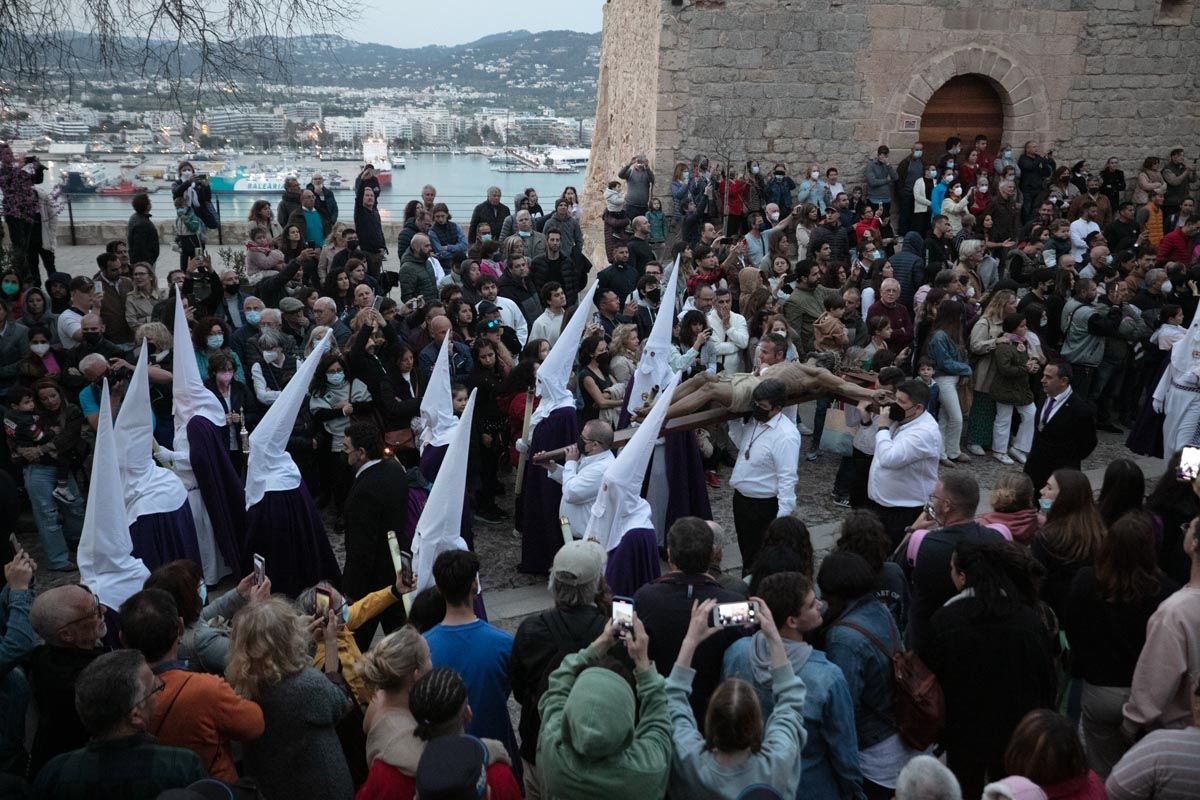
[(491, 211), (1064, 429), (377, 503), (665, 607)]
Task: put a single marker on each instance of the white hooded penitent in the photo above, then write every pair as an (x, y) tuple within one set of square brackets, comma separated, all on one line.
[(654, 367), (191, 397), (437, 405), (619, 505), (440, 526), (149, 488), (554, 374), (105, 555), (270, 468)]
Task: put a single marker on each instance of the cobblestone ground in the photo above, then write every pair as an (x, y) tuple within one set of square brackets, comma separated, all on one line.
[(499, 549)]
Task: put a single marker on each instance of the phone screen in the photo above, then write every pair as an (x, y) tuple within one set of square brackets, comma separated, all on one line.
[(622, 612), (729, 614), (260, 569), (394, 549), (1189, 464), (16, 546), (406, 570), (322, 601)]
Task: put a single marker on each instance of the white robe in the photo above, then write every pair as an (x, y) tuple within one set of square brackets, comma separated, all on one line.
[(1180, 406)]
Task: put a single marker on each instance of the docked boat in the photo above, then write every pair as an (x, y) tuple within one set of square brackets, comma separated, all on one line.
[(122, 187)]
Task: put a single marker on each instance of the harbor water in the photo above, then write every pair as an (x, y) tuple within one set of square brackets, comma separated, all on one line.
[(461, 181)]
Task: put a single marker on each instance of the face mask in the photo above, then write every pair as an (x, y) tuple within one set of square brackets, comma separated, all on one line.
[(774, 216), (654, 295), (524, 234), (335, 378), (956, 191), (270, 355), (1167, 287), (896, 412), (232, 289), (203, 593), (215, 342), (346, 613), (29, 169), (983, 187), (352, 244), (947, 179), (93, 338), (161, 357), (224, 377), (1108, 259), (11, 289), (185, 175), (40, 350), (253, 317), (754, 169), (760, 414), (918, 153), (1008, 153), (949, 165), (933, 173), (179, 212), (876, 254), (814, 175), (686, 175), (1044, 505), (579, 443), (486, 237)]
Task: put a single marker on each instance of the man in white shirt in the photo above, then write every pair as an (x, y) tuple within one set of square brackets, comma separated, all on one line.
[(1080, 229), (730, 334), (582, 473), (510, 313), (549, 325), (764, 476), (905, 468), (70, 322)]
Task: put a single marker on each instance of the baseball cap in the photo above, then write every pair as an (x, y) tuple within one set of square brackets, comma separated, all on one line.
[(452, 767), (487, 307), (578, 563), (290, 305)]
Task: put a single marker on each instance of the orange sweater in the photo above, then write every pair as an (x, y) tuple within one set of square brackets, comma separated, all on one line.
[(202, 713)]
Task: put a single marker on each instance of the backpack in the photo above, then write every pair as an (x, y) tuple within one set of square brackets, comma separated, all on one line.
[(918, 706)]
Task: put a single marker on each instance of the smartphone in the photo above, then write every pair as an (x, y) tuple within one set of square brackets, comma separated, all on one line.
[(1189, 464), (323, 596), (377, 302), (311, 245), (97, 287), (394, 549), (260, 569), (728, 615), (595, 317), (415, 303), (622, 613), (16, 546)]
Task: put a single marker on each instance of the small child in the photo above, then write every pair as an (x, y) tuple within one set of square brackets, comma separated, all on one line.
[(24, 428), (925, 373), (829, 332), (1170, 330), (261, 255), (658, 222), (189, 231)]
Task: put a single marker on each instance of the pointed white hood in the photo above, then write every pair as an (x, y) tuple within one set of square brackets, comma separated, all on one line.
[(619, 505), (270, 468), (440, 527), (555, 372), (192, 398), (149, 488), (106, 563), (1186, 352), (437, 405), (654, 367)]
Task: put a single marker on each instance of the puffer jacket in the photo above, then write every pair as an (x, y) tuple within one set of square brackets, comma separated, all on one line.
[(908, 266)]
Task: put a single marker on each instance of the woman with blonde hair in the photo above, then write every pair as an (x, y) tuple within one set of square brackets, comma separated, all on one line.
[(1071, 535), (1015, 507), (140, 303), (625, 352), (299, 754), (389, 670), (986, 334)]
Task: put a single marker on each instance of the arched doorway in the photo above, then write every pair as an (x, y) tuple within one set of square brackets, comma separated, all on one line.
[(965, 106)]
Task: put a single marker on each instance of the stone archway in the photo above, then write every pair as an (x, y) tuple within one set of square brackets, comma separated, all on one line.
[(1022, 95)]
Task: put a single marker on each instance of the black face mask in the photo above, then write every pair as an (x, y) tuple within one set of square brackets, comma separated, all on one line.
[(581, 445), (760, 414), (896, 412), (603, 360), (232, 288), (93, 338), (654, 295), (352, 244)]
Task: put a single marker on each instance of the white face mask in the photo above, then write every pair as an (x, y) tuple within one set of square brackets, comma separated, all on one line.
[(29, 169), (983, 187), (183, 176), (161, 355), (270, 356), (1166, 288), (774, 216), (40, 350), (814, 174)]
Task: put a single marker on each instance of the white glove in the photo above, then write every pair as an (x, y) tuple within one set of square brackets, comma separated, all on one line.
[(417, 424), (1157, 405), (521, 445)]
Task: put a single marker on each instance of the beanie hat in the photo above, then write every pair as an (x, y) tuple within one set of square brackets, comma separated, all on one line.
[(452, 767), (1014, 787)]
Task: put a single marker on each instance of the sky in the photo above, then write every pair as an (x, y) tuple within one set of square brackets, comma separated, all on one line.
[(413, 23)]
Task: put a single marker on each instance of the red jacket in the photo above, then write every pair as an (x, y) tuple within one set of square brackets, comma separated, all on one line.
[(1085, 787), (1174, 247), (385, 782), (737, 196)]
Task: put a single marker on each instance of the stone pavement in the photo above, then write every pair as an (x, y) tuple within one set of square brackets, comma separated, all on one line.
[(512, 605)]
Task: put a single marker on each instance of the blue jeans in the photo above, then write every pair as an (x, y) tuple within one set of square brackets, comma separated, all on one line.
[(39, 483)]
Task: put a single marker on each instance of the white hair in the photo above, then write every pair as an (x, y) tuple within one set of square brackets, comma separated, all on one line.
[(327, 303), (91, 360), (926, 778), (969, 249), (271, 315)]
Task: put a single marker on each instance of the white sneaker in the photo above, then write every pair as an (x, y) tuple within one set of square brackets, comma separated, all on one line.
[(804, 429), (1002, 458), (1017, 455), (976, 450)]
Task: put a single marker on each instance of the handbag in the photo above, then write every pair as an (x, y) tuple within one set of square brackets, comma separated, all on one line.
[(966, 394), (400, 439)]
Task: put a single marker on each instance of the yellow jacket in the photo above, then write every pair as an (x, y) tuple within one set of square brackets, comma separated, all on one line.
[(361, 613)]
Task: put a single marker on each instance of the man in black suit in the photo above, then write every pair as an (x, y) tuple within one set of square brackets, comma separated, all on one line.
[(1065, 427), (377, 503)]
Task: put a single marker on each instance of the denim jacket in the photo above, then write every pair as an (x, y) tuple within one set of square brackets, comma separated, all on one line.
[(947, 359), (867, 670), (830, 753), (17, 641)]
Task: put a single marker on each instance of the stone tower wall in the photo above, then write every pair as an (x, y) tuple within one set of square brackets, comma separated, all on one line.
[(826, 81)]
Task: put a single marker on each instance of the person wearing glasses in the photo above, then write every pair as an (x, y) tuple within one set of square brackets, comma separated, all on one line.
[(70, 622), (117, 696)]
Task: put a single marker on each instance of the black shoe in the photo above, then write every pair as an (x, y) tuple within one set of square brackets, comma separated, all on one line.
[(490, 516)]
